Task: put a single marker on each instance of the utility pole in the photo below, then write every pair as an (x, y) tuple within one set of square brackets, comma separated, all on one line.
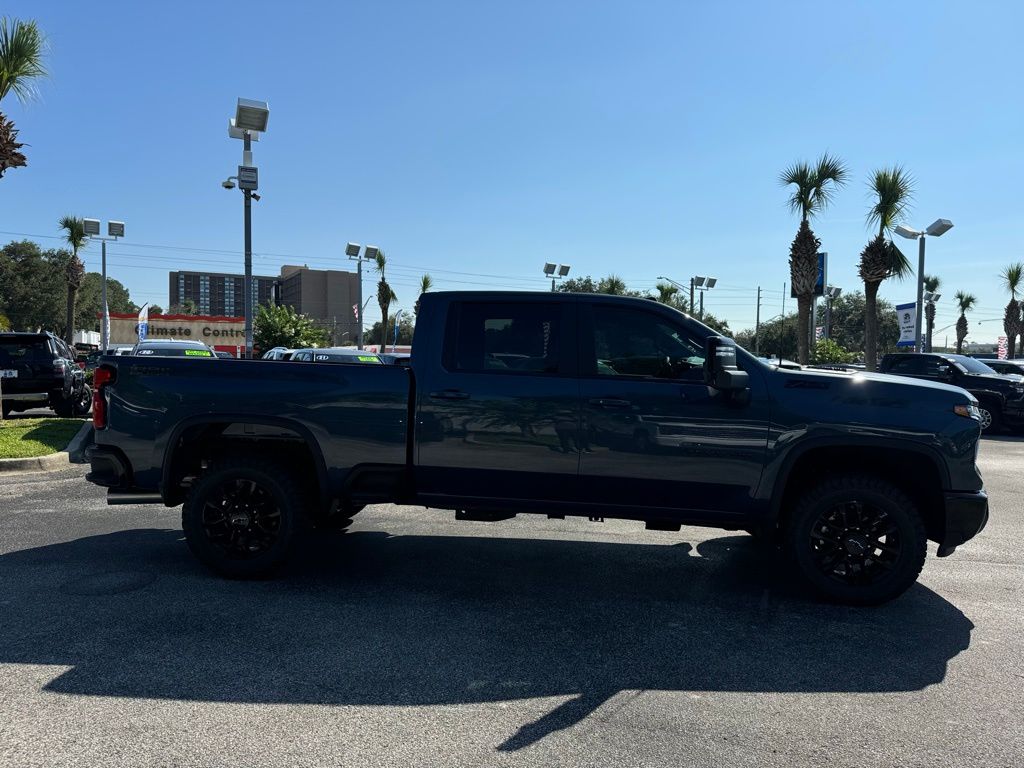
[(691, 296), (782, 322), (757, 325), (247, 195)]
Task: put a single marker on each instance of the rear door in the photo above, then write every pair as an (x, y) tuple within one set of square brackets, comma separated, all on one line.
[(498, 411)]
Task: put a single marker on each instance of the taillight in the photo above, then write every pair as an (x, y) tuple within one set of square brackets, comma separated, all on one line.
[(58, 367), (100, 378)]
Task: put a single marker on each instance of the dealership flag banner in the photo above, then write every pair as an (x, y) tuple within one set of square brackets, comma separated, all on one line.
[(143, 322), (906, 316), (1001, 348)]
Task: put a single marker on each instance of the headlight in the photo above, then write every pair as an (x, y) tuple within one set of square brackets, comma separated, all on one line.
[(969, 411)]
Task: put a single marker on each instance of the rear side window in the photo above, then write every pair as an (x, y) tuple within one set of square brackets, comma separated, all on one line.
[(909, 365), (506, 338)]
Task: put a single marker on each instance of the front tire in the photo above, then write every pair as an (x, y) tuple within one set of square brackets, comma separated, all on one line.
[(239, 518), (857, 539), (991, 419)]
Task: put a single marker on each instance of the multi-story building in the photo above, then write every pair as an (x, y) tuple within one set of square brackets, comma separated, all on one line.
[(327, 296), (218, 293)]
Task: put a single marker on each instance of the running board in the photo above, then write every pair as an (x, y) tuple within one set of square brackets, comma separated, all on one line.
[(115, 497)]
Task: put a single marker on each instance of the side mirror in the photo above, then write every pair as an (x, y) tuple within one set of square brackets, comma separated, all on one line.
[(720, 368)]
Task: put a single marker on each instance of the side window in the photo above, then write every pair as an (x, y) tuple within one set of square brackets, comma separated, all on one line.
[(632, 342), (936, 366), (505, 337), (908, 365)]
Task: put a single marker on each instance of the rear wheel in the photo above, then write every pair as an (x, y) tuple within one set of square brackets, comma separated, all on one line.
[(239, 518), (83, 402), (857, 539)]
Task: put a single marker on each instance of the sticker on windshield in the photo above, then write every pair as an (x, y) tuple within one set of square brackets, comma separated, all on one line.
[(198, 353), (367, 359), (146, 351), (321, 357)]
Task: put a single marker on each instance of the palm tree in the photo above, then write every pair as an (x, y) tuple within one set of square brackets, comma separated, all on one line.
[(814, 187), (385, 295), (614, 285), (1013, 323), (965, 303), (21, 63), (892, 189), (931, 284), (426, 283), (74, 270)]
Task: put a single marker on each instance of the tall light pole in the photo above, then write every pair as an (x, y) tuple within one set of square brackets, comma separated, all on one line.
[(352, 250), (115, 229), (249, 122), (936, 229), (558, 272)]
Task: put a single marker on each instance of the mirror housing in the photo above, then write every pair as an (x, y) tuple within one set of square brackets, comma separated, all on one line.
[(720, 368)]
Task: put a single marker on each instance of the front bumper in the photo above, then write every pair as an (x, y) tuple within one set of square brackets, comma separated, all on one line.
[(966, 516)]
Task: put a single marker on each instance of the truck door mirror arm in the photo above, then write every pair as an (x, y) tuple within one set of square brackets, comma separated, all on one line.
[(720, 369)]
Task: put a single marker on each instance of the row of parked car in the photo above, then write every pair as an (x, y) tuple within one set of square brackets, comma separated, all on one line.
[(336, 355)]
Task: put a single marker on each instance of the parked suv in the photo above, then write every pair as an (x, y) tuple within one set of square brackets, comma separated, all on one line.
[(1007, 367), (39, 370), (1000, 398)]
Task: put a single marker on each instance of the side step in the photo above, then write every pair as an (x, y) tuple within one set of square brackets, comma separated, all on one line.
[(115, 497), (661, 525)]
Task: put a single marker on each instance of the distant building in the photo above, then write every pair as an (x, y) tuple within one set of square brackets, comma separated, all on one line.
[(326, 296), (218, 293)]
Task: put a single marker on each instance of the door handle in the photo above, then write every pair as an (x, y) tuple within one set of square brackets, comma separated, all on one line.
[(610, 402), (450, 394)]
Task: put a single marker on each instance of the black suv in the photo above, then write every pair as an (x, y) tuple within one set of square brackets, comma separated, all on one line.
[(1000, 398), (39, 370)]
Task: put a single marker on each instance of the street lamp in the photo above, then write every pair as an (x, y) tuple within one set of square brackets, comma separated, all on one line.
[(369, 254), (556, 272), (936, 229), (249, 122), (831, 294), (702, 284), (115, 229)]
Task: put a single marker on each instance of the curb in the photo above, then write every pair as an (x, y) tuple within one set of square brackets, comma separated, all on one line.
[(53, 461)]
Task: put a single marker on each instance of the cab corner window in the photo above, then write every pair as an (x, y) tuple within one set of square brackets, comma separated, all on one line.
[(631, 342), (506, 338)]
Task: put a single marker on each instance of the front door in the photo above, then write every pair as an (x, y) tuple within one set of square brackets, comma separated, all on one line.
[(657, 436), (499, 411)]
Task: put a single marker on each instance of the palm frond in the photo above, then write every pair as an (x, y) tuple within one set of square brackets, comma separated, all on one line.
[(892, 190), (829, 173), (815, 185), (380, 262), (426, 283), (22, 46), (899, 265), (965, 301), (1012, 276), (801, 176), (932, 283), (74, 232)]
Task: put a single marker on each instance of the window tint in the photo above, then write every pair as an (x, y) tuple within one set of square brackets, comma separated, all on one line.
[(632, 342), (512, 338), (24, 351), (910, 365), (935, 366)]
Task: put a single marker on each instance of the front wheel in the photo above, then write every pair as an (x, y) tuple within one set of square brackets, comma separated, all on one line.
[(239, 517), (991, 418), (857, 539)]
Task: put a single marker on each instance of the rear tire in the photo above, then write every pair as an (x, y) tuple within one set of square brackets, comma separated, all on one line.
[(857, 539), (240, 517), (83, 403)]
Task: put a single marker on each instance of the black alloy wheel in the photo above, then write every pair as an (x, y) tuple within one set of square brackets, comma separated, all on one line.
[(241, 518), (855, 543)]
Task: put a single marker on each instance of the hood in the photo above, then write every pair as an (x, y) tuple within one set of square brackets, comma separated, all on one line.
[(821, 379)]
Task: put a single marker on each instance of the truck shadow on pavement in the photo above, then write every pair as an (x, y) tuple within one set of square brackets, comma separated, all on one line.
[(367, 618)]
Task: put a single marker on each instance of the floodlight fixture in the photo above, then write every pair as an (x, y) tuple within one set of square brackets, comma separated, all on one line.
[(115, 229), (907, 232), (939, 227), (563, 270), (251, 115), (352, 250), (91, 226), (549, 268), (371, 252), (710, 282)]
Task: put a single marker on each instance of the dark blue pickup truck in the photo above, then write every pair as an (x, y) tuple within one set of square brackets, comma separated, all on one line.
[(557, 404)]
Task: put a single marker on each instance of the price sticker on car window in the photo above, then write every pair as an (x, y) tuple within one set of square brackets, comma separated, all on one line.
[(367, 359), (198, 353)]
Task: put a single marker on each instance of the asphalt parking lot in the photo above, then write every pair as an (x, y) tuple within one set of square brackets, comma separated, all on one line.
[(413, 640)]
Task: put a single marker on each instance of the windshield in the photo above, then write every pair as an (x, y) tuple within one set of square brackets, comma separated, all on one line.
[(971, 365)]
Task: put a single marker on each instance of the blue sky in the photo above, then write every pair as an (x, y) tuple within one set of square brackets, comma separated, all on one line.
[(477, 140)]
